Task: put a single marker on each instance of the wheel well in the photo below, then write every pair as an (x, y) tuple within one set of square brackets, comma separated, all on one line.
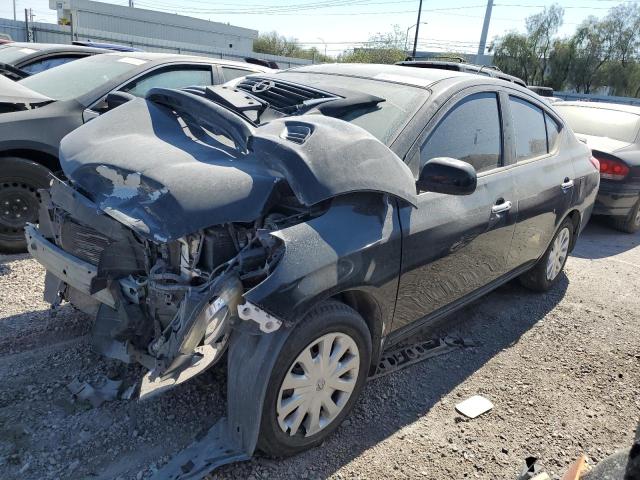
[(368, 308), (574, 216), (44, 159)]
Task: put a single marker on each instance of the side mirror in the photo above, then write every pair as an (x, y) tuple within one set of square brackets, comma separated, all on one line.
[(447, 175), (115, 99)]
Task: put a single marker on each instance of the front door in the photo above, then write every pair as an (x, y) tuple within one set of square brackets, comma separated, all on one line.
[(454, 245)]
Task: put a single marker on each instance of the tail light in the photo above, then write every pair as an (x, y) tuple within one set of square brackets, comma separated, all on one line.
[(612, 169)]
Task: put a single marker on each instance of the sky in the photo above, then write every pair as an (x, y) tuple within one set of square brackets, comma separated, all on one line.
[(340, 24)]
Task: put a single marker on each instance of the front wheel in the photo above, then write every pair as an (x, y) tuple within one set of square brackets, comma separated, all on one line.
[(546, 273), (20, 180), (316, 380)]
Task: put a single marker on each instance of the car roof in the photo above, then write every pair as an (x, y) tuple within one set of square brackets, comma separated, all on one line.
[(487, 70), (417, 77), (169, 57), (603, 105), (390, 73), (54, 47)]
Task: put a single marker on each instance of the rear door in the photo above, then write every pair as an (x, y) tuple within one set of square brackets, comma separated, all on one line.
[(455, 245), (544, 177)]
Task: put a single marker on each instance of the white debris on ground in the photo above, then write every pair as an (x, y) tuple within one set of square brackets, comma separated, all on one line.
[(562, 369)]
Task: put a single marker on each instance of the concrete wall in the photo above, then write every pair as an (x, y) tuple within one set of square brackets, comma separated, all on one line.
[(51, 33)]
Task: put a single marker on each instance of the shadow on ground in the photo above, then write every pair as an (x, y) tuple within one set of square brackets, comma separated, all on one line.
[(497, 321), (600, 240)]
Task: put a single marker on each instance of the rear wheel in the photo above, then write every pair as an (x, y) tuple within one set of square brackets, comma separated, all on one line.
[(317, 379), (631, 223), (19, 200), (546, 272)]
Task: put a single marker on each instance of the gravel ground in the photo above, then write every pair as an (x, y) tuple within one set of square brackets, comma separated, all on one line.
[(561, 368)]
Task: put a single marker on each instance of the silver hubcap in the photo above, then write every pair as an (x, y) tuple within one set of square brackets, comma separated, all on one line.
[(637, 222), (318, 384), (558, 254)]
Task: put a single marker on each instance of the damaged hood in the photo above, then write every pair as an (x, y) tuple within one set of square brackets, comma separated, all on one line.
[(13, 92), (143, 166)]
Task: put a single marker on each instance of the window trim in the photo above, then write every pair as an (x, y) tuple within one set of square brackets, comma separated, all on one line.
[(446, 107)]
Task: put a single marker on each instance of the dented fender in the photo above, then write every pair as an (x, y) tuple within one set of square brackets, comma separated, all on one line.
[(356, 247)]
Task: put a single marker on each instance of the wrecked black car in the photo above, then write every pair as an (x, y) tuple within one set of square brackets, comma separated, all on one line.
[(303, 222), (38, 111)]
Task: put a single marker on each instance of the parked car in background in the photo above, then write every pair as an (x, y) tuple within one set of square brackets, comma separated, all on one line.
[(108, 46), (304, 219), (5, 38), (612, 131), (545, 92), (463, 66), (19, 60), (41, 109)]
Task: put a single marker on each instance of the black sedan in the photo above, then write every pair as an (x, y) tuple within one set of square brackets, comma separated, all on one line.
[(19, 60), (38, 111), (613, 133), (302, 222)]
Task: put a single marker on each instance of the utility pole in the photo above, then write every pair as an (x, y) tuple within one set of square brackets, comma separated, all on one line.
[(130, 3), (14, 11), (31, 15), (485, 30), (415, 41), (26, 25)]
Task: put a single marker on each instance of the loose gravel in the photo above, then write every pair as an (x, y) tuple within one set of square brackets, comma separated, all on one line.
[(562, 369)]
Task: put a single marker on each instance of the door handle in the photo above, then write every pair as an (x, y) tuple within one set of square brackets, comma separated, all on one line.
[(504, 206), (567, 184)]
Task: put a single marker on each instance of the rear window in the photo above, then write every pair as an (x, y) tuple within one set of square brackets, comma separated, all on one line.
[(383, 121), (75, 79), (601, 122)]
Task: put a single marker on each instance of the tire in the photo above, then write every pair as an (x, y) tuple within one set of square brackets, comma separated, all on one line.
[(631, 223), (542, 277), (19, 200), (327, 319)]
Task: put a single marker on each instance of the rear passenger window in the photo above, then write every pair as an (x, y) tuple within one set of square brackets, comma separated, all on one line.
[(530, 130), (553, 132), (470, 132)]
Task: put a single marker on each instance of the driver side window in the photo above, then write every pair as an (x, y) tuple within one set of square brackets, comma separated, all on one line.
[(470, 132)]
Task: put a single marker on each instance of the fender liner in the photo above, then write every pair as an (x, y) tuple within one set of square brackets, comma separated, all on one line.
[(234, 437)]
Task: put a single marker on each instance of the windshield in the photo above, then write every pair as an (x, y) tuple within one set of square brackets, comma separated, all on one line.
[(12, 54), (384, 121), (601, 122), (75, 79)]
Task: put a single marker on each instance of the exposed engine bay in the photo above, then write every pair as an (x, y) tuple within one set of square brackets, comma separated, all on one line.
[(169, 306)]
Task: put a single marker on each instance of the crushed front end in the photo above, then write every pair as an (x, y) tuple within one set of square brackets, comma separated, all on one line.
[(169, 306)]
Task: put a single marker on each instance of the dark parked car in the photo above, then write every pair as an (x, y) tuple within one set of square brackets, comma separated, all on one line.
[(613, 133), (19, 60), (38, 111), (459, 66), (304, 220)]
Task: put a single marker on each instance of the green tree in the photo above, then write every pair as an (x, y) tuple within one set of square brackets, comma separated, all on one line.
[(274, 44), (380, 48), (527, 55)]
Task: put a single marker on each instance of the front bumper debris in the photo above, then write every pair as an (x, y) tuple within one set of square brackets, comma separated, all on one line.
[(71, 270)]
